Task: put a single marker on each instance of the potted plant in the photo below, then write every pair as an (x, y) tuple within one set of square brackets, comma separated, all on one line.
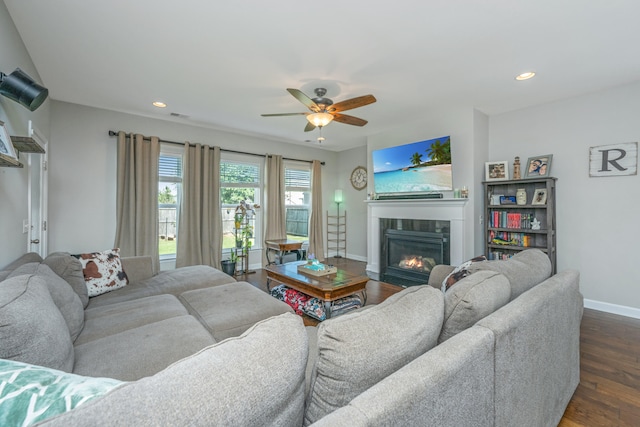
[(237, 219), (229, 265)]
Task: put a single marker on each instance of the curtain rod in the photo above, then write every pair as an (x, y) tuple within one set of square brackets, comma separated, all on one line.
[(146, 138)]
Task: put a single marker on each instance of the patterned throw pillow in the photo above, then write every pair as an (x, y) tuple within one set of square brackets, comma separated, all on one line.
[(31, 393), (460, 272), (102, 271)]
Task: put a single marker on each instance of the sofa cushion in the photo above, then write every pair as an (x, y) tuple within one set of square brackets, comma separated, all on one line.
[(358, 349), (251, 380), (471, 299), (115, 318), (460, 272), (173, 282), (63, 296), (524, 270), (102, 271), (31, 393), (32, 329), (142, 351), (229, 310), (70, 269)]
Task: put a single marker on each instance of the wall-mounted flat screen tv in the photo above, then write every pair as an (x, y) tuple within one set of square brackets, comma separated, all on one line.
[(419, 167)]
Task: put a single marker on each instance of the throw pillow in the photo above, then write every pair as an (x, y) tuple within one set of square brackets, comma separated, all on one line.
[(30, 393), (357, 350), (460, 272), (524, 270), (63, 296), (472, 299), (102, 271), (32, 329), (70, 269)]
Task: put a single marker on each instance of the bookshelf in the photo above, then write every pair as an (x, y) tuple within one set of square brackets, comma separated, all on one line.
[(511, 227)]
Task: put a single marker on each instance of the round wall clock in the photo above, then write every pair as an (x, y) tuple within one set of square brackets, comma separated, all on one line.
[(359, 177)]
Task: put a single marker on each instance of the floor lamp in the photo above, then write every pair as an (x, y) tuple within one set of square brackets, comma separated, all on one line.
[(337, 197)]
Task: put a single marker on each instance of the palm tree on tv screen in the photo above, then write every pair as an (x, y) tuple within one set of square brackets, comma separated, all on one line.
[(440, 153), (416, 159)]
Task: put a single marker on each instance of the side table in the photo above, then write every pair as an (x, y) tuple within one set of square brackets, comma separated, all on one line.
[(280, 246)]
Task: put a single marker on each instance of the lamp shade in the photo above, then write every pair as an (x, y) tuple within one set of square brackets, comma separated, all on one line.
[(319, 119), (21, 88), (337, 197)]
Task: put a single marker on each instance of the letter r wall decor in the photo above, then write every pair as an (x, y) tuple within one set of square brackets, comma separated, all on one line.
[(614, 160)]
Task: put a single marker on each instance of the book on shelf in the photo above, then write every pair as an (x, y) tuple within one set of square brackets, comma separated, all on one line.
[(504, 219), (509, 238)]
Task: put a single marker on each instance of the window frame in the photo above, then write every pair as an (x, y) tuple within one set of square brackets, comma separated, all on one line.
[(170, 150), (299, 166), (229, 209)]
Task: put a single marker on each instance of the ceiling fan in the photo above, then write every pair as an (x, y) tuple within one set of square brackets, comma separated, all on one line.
[(323, 110)]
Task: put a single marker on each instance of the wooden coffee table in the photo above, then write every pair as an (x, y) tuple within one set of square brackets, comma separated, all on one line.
[(326, 288)]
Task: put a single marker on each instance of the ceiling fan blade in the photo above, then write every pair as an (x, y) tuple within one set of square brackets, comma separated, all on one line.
[(284, 114), (309, 127), (352, 103), (349, 120), (304, 99)]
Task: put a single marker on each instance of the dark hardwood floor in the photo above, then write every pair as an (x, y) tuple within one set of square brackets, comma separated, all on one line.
[(609, 390)]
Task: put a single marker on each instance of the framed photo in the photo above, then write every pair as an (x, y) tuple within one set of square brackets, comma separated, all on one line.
[(507, 200), (495, 199), (496, 171), (6, 147), (538, 166), (539, 196)]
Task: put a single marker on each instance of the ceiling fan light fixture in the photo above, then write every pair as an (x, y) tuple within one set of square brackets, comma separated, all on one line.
[(319, 119), (525, 76)]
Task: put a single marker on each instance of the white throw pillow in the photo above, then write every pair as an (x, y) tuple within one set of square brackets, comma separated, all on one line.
[(102, 271)]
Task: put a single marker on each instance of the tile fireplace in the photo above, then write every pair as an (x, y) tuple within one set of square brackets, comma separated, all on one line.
[(406, 236), (411, 248)]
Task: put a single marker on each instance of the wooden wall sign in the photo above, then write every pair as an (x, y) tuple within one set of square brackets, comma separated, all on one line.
[(614, 160)]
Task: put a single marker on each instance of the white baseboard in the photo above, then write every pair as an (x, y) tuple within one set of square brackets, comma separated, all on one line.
[(613, 308), (357, 257)]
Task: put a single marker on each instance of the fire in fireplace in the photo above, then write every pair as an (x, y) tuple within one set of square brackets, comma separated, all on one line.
[(416, 262), (407, 256)]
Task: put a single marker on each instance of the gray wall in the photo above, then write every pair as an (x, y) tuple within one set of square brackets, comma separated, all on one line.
[(598, 231), (82, 178), (13, 181), (353, 202)]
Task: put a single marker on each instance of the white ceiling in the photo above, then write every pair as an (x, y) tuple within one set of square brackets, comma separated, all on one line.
[(223, 63)]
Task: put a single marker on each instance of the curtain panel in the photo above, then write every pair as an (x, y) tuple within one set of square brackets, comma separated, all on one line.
[(200, 217), (275, 210), (316, 234), (137, 196)]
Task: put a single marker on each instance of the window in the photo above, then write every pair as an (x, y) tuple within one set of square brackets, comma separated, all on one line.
[(169, 192), (297, 181), (240, 179)]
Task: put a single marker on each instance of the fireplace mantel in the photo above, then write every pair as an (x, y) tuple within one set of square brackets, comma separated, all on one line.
[(450, 209)]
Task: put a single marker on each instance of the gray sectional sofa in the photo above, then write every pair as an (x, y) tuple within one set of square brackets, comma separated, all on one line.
[(499, 348)]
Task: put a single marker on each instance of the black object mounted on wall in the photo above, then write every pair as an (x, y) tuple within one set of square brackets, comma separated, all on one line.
[(21, 88)]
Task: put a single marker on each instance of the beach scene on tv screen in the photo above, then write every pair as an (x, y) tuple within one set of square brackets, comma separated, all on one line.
[(413, 168)]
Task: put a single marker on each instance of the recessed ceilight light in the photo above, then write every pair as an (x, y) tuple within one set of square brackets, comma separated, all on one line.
[(159, 104), (525, 76)]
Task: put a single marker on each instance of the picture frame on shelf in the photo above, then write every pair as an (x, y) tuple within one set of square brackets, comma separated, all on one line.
[(507, 200), (6, 146), (538, 166), (496, 171), (539, 196), (495, 199)]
